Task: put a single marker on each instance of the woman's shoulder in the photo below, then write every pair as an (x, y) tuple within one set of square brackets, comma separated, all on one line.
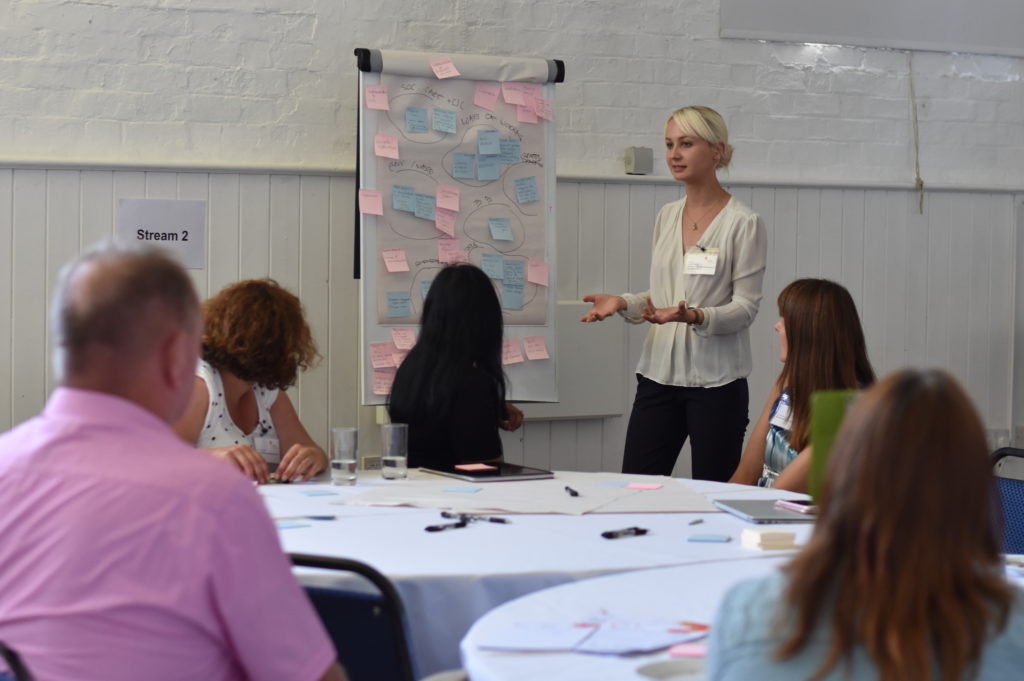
[(207, 372)]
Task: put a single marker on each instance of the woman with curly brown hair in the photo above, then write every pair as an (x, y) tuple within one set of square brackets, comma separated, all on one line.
[(255, 341)]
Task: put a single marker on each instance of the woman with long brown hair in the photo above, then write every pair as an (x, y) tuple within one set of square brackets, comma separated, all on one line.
[(902, 579), (821, 345)]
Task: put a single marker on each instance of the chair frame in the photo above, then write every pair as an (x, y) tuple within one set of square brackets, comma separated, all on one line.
[(392, 601), (14, 664)]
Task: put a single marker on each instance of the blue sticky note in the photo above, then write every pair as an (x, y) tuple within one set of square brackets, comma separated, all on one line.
[(509, 150), (399, 304), (443, 120), (492, 265), (710, 538), (464, 166), (290, 524), (488, 143), (488, 168), (403, 198), (426, 207), (318, 493), (463, 490), (425, 288), (513, 275), (415, 119), (526, 189), (501, 229), (615, 483)]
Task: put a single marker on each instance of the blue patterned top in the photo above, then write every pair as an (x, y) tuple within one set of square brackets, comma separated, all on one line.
[(777, 452)]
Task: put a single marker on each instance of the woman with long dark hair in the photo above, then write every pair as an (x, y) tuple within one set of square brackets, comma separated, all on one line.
[(821, 345), (450, 388), (903, 577)]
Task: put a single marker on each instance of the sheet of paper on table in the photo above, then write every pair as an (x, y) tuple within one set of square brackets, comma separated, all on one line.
[(610, 635)]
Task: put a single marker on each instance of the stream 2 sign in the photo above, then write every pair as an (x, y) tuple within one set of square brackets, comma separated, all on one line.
[(178, 226)]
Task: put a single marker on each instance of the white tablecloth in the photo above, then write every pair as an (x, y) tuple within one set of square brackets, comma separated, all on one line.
[(688, 592), (449, 579)]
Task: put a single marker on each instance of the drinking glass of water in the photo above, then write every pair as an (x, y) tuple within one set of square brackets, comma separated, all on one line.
[(394, 442), (344, 456)]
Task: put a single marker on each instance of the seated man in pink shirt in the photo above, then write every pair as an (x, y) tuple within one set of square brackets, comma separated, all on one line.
[(125, 554)]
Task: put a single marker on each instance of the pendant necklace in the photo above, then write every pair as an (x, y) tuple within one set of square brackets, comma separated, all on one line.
[(704, 215)]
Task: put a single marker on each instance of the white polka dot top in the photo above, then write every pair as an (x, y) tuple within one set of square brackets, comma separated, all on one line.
[(220, 431)]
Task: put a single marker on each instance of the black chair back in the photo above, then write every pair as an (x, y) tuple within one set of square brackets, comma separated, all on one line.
[(369, 630), (1008, 466), (17, 671)]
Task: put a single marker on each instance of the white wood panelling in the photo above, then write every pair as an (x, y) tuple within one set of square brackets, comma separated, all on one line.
[(936, 289)]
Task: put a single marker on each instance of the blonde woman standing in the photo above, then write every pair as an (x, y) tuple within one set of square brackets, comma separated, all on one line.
[(707, 265)]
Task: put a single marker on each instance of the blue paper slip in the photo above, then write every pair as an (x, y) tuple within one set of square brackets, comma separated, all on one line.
[(501, 229), (318, 493), (462, 490), (464, 166), (399, 304), (415, 119), (443, 120), (426, 207), (403, 198), (488, 143), (614, 483), (492, 265), (425, 288), (488, 168), (290, 524), (526, 189), (710, 538), (513, 275), (509, 150)]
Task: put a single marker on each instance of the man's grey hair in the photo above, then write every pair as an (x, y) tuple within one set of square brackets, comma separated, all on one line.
[(117, 296)]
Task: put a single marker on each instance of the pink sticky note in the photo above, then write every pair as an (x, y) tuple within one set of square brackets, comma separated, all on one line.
[(380, 355), (448, 250), (535, 348), (403, 337), (525, 113), (383, 379), (644, 485), (448, 197), (386, 146), (696, 649), (371, 202), (534, 90), (537, 272), (377, 97), (543, 107), (475, 467), (394, 260), (512, 93), (486, 96), (398, 356), (444, 220), (510, 352), (443, 67)]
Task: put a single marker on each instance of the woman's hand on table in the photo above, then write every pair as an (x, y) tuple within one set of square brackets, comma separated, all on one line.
[(244, 458), (301, 462), (603, 306)]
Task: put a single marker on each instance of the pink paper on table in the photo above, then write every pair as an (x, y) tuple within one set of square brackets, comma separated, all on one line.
[(371, 202), (448, 250), (444, 220), (696, 649), (525, 113), (644, 485), (486, 95), (537, 272), (512, 93), (543, 108), (535, 348), (475, 467), (385, 146), (377, 97), (380, 355), (383, 379), (510, 352), (394, 260), (443, 67), (448, 197), (403, 337)]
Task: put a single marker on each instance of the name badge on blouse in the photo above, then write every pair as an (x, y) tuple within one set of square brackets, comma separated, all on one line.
[(267, 446), (783, 416), (701, 262)]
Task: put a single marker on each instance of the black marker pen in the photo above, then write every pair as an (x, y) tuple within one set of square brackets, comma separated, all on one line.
[(627, 532)]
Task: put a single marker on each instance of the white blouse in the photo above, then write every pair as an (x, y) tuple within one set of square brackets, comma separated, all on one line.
[(219, 430), (716, 352)]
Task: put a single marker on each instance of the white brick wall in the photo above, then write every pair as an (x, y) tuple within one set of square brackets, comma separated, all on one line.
[(267, 82)]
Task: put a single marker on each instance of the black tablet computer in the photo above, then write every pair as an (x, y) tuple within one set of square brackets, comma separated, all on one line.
[(492, 472)]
